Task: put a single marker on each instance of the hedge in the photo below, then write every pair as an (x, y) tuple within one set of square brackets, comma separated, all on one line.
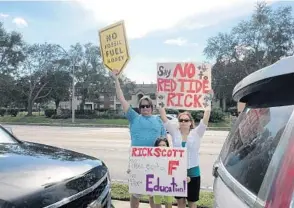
[(217, 115), (83, 114), (12, 111)]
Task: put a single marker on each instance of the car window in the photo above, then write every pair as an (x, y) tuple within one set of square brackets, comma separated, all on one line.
[(5, 137), (252, 142)]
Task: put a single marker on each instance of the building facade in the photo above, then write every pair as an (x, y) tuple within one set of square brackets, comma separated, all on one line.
[(110, 101)]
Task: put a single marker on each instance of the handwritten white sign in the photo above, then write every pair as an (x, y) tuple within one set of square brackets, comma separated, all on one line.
[(158, 171), (184, 85)]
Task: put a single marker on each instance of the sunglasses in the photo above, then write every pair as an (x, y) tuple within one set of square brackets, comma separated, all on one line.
[(184, 120), (145, 106)]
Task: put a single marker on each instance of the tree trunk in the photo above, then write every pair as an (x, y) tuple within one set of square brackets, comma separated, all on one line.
[(82, 105), (224, 104), (30, 108), (57, 104)]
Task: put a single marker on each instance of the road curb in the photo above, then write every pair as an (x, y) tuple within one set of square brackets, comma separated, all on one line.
[(93, 125)]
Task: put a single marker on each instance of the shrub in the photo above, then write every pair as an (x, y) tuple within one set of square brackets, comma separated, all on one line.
[(50, 112), (85, 114), (217, 115), (197, 115), (88, 114), (233, 111), (64, 114), (2, 112), (55, 116), (12, 112), (102, 110)]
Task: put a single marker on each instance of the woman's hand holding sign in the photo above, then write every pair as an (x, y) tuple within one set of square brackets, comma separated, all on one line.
[(115, 74), (119, 93), (206, 115)]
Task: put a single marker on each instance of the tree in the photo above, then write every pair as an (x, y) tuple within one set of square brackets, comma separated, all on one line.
[(39, 62), (11, 55), (127, 87), (59, 86), (251, 45), (91, 76)]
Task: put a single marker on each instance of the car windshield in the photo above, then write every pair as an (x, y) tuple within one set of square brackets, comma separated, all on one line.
[(5, 137)]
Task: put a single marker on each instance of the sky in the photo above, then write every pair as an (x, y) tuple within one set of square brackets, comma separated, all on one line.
[(157, 31)]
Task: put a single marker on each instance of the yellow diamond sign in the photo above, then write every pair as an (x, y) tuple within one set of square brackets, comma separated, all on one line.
[(114, 46)]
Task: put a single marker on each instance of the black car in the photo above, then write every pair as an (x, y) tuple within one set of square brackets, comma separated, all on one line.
[(35, 175)]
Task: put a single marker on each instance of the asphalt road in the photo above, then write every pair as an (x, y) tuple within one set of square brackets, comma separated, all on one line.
[(112, 146)]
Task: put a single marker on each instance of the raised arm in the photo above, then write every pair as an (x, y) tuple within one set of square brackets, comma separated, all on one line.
[(119, 93), (163, 114), (171, 127), (201, 128), (206, 115)]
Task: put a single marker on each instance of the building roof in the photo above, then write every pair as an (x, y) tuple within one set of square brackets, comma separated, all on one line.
[(146, 89)]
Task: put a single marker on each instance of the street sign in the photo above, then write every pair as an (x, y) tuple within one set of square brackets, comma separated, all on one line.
[(114, 46)]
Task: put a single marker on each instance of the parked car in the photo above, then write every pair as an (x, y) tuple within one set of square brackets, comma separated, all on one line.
[(256, 164), (173, 118), (35, 175)]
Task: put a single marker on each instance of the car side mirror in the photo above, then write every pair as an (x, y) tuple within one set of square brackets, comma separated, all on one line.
[(215, 168)]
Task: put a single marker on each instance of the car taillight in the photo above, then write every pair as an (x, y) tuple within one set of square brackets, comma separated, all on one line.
[(282, 192)]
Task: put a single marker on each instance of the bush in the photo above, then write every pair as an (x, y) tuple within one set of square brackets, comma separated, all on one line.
[(101, 109), (233, 111), (217, 115), (55, 116), (64, 114), (197, 115), (12, 112), (86, 114), (2, 112), (50, 112)]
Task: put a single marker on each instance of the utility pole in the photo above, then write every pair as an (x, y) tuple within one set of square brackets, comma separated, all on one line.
[(72, 63), (73, 95)]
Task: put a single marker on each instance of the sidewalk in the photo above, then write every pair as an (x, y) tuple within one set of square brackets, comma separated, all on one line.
[(126, 204)]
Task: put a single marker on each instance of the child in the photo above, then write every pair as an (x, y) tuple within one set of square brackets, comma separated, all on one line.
[(162, 142)]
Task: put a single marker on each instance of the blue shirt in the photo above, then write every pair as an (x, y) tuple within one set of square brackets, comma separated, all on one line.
[(144, 129), (192, 172)]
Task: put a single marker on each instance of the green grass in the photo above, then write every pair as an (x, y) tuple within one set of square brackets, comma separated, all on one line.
[(121, 192), (41, 119)]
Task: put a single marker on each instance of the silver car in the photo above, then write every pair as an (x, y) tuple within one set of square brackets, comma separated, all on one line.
[(256, 165)]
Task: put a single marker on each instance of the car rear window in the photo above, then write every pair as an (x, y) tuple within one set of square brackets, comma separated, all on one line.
[(252, 141)]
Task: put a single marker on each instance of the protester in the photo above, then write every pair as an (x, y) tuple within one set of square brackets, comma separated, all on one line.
[(188, 136), (145, 128), (162, 142)]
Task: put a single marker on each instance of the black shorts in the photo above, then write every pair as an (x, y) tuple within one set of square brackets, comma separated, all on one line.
[(193, 190)]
